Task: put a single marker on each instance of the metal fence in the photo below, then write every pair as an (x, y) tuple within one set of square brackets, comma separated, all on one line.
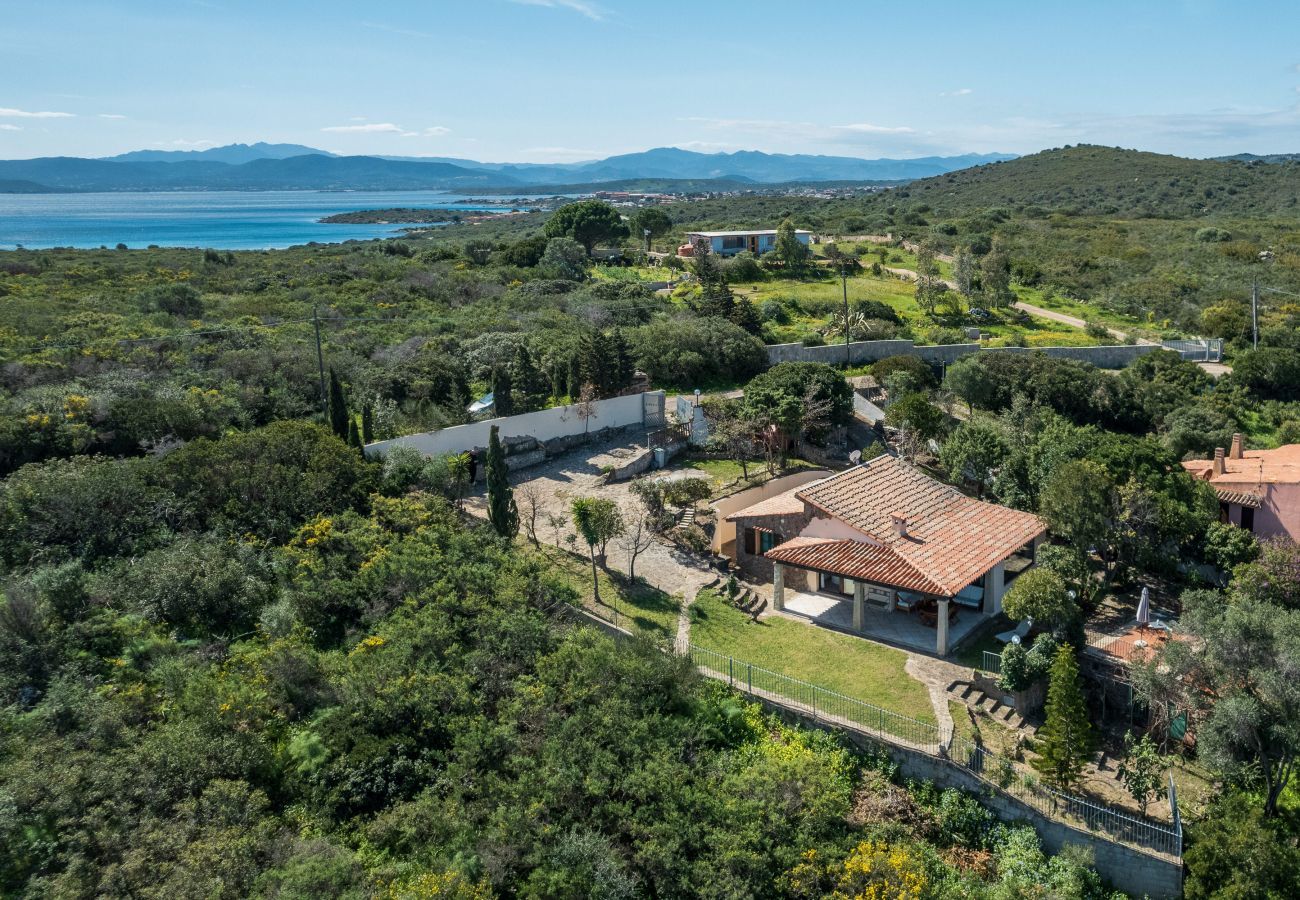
[(819, 701), (1197, 349), (1022, 783), (999, 773), (991, 663)]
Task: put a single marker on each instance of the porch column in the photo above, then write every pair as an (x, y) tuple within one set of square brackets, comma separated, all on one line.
[(994, 588), (859, 601), (941, 630), (778, 586)]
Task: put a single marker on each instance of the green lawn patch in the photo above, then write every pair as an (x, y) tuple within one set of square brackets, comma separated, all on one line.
[(639, 606), (851, 666)]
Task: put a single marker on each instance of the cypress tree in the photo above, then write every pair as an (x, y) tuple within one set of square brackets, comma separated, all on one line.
[(622, 359), (354, 435), (502, 512), (367, 424), (595, 363), (338, 407), (575, 376), (1065, 740), (503, 399), (529, 382)]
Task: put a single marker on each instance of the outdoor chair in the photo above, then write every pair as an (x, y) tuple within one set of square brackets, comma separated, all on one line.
[(1018, 632)]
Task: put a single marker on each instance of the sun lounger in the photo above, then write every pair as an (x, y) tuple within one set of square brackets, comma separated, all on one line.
[(1018, 632)]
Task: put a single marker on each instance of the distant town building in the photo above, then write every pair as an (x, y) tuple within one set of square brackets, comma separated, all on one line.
[(729, 243), (1257, 489)]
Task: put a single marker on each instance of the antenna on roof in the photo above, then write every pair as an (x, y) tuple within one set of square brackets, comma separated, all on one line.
[(855, 457)]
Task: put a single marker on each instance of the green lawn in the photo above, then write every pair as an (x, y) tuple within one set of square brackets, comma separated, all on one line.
[(639, 606), (726, 475), (851, 666), (811, 303)]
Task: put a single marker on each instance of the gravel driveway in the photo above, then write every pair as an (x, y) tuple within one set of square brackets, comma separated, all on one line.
[(561, 478)]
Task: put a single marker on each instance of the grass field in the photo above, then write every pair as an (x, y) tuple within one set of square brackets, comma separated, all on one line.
[(726, 476), (642, 607), (851, 666)]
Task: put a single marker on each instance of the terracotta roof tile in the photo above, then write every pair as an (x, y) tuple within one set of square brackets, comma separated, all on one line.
[(854, 559), (787, 503), (950, 539), (1241, 498)]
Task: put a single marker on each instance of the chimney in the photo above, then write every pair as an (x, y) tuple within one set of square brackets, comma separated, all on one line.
[(1235, 452), (1218, 461), (900, 523)]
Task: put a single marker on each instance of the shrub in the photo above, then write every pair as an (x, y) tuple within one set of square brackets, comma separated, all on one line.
[(1212, 235)]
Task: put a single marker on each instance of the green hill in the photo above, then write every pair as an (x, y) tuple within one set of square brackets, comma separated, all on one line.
[(1105, 181)]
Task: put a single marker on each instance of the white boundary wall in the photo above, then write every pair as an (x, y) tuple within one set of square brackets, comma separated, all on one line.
[(544, 425)]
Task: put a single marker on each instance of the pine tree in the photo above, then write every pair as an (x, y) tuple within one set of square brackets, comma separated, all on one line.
[(502, 512), (715, 294), (1065, 740), (368, 424), (746, 316), (503, 399), (338, 408), (622, 361)]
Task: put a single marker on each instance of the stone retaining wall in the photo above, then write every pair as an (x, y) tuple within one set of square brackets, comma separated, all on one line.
[(863, 352)]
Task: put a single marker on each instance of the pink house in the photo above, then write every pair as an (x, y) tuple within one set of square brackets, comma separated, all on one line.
[(1258, 489)]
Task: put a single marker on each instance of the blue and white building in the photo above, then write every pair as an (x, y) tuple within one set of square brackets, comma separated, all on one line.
[(729, 243)]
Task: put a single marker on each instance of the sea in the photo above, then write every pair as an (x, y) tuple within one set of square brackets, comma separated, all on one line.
[(223, 220)]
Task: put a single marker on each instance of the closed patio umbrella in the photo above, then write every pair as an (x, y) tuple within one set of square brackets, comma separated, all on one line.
[(1144, 608)]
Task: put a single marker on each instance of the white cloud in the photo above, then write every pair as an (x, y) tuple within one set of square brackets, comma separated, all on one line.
[(111, 116), (368, 128), (589, 10), (960, 92), (868, 128), (24, 114), (5, 126), (386, 128), (193, 145)]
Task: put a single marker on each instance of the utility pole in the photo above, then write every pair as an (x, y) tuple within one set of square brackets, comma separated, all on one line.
[(1254, 313), (844, 284), (320, 363)]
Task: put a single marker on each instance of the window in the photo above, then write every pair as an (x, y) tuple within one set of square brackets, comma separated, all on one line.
[(759, 540), (1248, 518), (735, 242)]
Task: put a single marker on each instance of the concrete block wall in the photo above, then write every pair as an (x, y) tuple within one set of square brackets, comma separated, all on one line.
[(544, 425), (865, 352)]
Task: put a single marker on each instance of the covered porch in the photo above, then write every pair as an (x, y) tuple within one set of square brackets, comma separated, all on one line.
[(907, 619)]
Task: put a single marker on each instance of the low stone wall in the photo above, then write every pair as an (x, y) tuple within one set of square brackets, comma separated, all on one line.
[(863, 352)]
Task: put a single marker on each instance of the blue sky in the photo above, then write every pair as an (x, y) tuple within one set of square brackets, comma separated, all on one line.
[(562, 80)]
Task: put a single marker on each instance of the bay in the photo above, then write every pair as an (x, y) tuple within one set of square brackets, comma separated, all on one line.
[(223, 220)]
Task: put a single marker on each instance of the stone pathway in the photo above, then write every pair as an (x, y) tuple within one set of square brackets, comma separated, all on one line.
[(936, 675)]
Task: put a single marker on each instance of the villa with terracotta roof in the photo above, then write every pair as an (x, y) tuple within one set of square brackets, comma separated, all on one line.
[(1257, 489), (883, 549)]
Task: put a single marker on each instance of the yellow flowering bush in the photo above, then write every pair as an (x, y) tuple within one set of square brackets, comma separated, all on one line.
[(450, 885), (876, 870)]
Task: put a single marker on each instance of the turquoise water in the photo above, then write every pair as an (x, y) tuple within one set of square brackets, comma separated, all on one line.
[(224, 220)]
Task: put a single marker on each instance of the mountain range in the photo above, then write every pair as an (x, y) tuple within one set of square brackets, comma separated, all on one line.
[(264, 166)]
